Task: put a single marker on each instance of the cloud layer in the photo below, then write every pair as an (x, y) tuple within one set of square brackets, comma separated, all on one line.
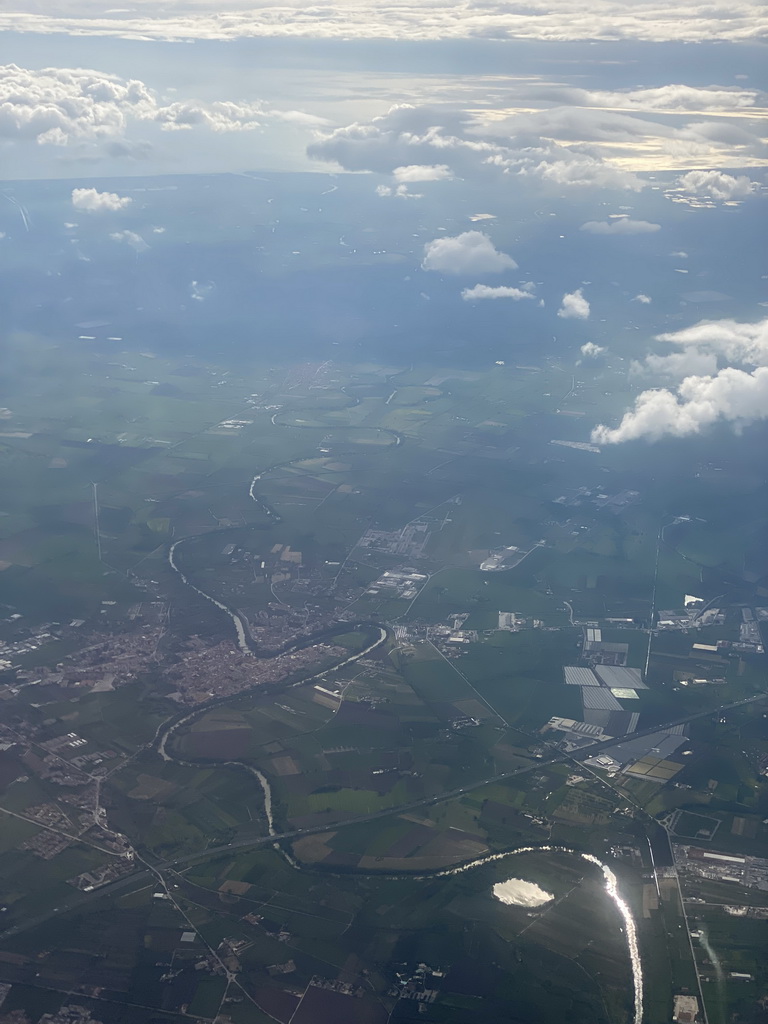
[(554, 20), (590, 139), (436, 136)]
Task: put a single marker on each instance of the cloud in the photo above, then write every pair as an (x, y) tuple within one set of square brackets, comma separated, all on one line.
[(399, 192), (407, 136), (732, 395), (91, 201), (582, 171), (672, 97), (715, 184), (218, 116), (549, 20), (135, 241), (642, 299), (634, 139), (579, 124), (574, 306), (422, 172), (620, 226), (590, 350), (732, 340), (484, 291), (676, 366), (704, 347), (200, 292), (59, 106), (471, 252), (707, 392)]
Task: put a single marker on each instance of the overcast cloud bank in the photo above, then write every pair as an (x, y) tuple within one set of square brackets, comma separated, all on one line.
[(555, 20)]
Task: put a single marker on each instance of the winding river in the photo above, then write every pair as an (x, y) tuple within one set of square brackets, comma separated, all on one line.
[(245, 644), (242, 639)]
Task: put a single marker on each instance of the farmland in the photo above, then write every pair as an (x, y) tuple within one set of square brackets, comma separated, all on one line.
[(246, 599)]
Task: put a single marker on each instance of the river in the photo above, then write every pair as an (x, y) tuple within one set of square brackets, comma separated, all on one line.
[(610, 880), (611, 888)]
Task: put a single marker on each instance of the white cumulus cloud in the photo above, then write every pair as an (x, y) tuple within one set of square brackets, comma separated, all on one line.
[(707, 391), (422, 172), (221, 116), (716, 184), (59, 106), (704, 347), (642, 299), (581, 171), (733, 340), (732, 395), (399, 192), (620, 226), (574, 306), (676, 366), (590, 350), (484, 291), (92, 201), (471, 252)]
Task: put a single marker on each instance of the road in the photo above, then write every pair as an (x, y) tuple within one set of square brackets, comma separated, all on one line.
[(684, 912), (452, 794), (140, 878)]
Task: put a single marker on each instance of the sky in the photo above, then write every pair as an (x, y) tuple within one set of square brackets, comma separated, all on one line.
[(606, 107)]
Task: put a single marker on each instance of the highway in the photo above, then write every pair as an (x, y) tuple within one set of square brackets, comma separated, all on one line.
[(143, 878), (451, 794)]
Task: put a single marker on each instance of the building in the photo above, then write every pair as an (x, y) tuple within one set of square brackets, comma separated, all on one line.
[(686, 1009)]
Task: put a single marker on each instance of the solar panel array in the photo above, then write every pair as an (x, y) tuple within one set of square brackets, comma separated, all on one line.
[(599, 698), (659, 744), (620, 678), (577, 676)]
